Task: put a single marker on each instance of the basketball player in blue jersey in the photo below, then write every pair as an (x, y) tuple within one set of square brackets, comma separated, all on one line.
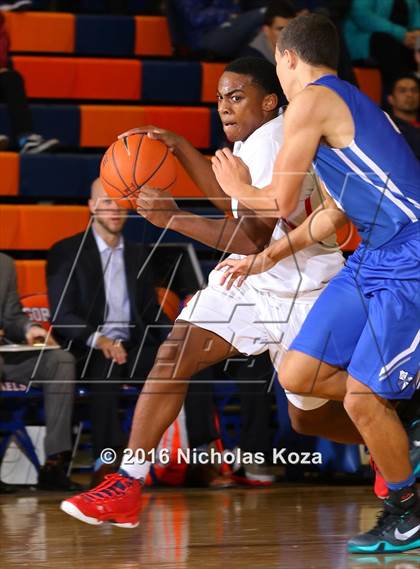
[(360, 342)]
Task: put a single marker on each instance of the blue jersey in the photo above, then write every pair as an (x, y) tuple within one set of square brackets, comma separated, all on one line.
[(376, 179)]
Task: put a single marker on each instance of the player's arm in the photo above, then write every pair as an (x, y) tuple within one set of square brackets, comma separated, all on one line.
[(321, 224), (303, 129), (197, 166), (244, 236)]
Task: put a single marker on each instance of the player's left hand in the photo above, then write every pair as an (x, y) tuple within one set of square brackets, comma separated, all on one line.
[(157, 206), (230, 172), (237, 270), (37, 334)]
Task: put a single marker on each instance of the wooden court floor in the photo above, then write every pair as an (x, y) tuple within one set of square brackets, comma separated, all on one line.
[(286, 527)]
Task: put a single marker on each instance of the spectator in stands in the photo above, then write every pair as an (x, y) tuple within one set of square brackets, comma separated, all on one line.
[(112, 319), (337, 11), (384, 32), (214, 28), (12, 92), (54, 367), (404, 101), (17, 5), (111, 6), (277, 16)]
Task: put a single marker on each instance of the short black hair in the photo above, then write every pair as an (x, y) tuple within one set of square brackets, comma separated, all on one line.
[(314, 38), (404, 76), (262, 72), (279, 9)]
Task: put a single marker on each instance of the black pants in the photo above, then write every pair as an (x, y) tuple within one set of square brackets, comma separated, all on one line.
[(110, 6), (105, 380), (12, 92), (254, 376), (228, 39), (392, 56)]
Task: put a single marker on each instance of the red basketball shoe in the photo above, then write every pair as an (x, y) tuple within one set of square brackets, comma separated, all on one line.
[(116, 500)]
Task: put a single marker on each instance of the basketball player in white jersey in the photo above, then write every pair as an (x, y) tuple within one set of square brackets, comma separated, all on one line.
[(266, 313)]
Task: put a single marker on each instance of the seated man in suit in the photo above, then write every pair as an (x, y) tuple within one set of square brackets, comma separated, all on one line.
[(104, 302), (54, 369)]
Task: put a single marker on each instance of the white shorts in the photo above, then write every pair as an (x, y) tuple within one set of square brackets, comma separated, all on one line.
[(252, 322)]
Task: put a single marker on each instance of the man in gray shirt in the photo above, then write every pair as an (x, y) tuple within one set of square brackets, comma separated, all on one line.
[(53, 369)]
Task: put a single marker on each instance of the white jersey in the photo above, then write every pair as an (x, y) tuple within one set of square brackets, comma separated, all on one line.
[(310, 269)]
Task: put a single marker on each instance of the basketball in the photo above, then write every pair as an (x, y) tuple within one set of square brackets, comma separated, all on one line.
[(135, 161)]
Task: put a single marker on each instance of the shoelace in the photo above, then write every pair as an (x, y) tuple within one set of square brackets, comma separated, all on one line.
[(387, 519), (113, 485)]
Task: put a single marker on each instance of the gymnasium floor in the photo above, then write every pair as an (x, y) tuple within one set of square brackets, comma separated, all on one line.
[(286, 527)]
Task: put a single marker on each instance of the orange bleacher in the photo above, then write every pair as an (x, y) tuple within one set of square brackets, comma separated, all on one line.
[(85, 78), (211, 73), (9, 168), (370, 82), (101, 124), (41, 32), (152, 36), (39, 226), (31, 277)]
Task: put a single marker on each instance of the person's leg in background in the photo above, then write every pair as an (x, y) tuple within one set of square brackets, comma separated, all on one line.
[(103, 378), (391, 56), (4, 488), (229, 38), (253, 376), (200, 415), (15, 5), (55, 371), (12, 92)]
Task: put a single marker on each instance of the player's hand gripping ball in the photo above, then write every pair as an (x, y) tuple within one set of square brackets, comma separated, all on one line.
[(132, 162)]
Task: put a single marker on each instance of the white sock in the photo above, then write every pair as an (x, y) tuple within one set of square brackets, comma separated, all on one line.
[(135, 468)]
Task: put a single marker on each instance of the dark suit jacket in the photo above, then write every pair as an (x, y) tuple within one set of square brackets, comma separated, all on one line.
[(76, 290), (12, 318)]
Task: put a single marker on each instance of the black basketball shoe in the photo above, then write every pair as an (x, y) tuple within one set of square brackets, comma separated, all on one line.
[(397, 528)]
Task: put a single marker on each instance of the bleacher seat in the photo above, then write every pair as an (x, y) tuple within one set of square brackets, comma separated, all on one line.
[(100, 124), (105, 35), (37, 227), (175, 81), (30, 276), (370, 82), (211, 73), (9, 167), (41, 32), (152, 36), (84, 78), (69, 176), (63, 175)]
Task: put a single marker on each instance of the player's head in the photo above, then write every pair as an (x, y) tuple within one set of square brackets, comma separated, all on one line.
[(107, 212), (249, 95), (309, 41), (278, 15), (405, 95)]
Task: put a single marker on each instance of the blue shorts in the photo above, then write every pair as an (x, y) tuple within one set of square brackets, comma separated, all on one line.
[(367, 320)]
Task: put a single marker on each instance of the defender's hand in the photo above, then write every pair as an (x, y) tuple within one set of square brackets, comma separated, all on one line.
[(237, 270)]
